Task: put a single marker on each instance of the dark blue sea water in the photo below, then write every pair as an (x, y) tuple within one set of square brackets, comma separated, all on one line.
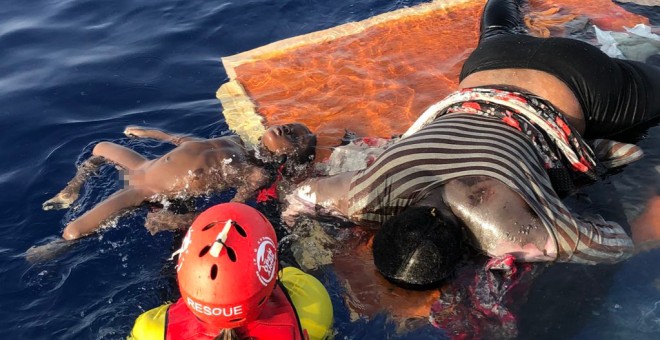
[(73, 73)]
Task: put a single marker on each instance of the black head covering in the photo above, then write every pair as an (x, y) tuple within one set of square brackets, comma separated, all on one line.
[(417, 249)]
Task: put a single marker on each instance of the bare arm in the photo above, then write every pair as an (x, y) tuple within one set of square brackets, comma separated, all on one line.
[(112, 206), (646, 227), (255, 179), (325, 195), (167, 220), (140, 132)]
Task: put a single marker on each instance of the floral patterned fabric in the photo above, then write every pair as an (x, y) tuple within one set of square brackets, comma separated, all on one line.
[(565, 155)]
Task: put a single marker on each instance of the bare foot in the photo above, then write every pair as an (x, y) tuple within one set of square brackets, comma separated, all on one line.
[(62, 200)]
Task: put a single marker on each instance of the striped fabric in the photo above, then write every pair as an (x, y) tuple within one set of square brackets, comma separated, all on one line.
[(456, 145), (612, 154)]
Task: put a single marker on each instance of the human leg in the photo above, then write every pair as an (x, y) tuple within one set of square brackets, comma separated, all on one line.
[(501, 17), (110, 207), (70, 193), (104, 151), (120, 155)]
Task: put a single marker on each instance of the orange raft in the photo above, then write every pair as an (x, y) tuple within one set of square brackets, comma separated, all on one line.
[(374, 77)]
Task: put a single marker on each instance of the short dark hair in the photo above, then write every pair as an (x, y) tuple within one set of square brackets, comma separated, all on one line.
[(417, 249), (301, 159), (308, 151)]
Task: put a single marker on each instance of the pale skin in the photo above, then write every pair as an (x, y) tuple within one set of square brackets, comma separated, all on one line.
[(489, 209), (196, 166)]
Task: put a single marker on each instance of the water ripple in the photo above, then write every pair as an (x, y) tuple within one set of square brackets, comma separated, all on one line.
[(76, 72)]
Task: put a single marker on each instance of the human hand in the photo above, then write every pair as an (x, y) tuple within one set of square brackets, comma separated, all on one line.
[(646, 227), (295, 206), (48, 251), (134, 131)]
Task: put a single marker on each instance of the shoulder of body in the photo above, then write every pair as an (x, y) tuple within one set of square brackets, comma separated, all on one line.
[(224, 142)]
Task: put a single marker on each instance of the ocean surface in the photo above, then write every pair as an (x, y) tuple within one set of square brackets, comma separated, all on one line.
[(73, 73)]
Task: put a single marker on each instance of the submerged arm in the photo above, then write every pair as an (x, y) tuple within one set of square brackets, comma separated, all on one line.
[(255, 179), (646, 227), (167, 220)]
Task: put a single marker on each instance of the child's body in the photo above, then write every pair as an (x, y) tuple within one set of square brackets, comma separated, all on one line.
[(195, 167)]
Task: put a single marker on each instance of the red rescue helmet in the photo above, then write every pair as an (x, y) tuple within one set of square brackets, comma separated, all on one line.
[(228, 265)]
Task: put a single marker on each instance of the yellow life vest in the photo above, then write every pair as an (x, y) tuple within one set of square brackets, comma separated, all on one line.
[(310, 300)]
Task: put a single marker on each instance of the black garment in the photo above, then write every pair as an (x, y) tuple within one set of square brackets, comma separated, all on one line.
[(614, 94)]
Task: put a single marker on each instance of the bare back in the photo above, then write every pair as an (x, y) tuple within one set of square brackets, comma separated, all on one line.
[(540, 83)]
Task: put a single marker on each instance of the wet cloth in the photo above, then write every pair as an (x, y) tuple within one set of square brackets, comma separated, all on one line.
[(637, 43), (559, 145), (356, 154), (555, 141), (641, 2), (478, 302), (504, 144)]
